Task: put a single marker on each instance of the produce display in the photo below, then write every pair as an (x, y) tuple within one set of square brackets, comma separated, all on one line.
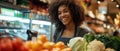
[(87, 43), (8, 44), (92, 42), (112, 42), (41, 44), (109, 49), (77, 44), (95, 45)]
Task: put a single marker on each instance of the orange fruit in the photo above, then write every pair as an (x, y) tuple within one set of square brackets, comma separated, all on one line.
[(31, 50), (44, 50), (56, 49), (43, 38), (67, 49), (48, 45), (40, 43), (28, 44), (37, 45), (60, 45)]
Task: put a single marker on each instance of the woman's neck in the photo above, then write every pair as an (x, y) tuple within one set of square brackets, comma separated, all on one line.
[(70, 26), (69, 31)]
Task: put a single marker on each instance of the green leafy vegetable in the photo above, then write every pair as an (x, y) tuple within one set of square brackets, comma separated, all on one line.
[(109, 41)]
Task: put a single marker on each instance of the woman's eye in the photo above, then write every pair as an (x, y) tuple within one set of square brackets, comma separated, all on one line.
[(59, 13), (65, 11)]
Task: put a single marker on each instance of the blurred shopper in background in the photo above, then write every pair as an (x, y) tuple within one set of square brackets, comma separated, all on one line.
[(67, 16)]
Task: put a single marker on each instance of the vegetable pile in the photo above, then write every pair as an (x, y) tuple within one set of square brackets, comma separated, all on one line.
[(112, 42), (92, 42)]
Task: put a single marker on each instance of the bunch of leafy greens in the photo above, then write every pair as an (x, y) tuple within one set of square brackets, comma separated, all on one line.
[(109, 41)]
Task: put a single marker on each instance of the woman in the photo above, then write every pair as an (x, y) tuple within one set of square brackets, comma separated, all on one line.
[(67, 16)]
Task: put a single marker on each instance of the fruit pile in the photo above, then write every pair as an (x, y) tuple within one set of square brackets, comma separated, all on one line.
[(15, 44), (41, 44)]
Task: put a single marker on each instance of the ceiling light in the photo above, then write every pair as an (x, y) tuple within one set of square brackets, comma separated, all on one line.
[(112, 0), (117, 5), (99, 2)]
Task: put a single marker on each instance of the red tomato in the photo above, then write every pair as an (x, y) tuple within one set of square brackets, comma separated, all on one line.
[(24, 48), (6, 44), (0, 48), (17, 43)]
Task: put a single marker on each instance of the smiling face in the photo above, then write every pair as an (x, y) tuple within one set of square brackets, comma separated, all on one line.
[(64, 15)]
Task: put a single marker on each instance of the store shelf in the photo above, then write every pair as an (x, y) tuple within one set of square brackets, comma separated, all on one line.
[(11, 6), (4, 27)]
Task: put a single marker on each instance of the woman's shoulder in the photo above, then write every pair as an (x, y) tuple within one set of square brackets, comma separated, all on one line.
[(58, 32), (81, 31)]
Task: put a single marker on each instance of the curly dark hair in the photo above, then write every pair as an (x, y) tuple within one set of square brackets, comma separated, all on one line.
[(77, 12)]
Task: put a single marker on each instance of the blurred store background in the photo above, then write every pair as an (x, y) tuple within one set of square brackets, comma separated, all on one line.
[(18, 16)]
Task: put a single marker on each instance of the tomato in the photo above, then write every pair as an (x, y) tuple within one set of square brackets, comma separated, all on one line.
[(17, 43), (6, 44), (24, 48), (0, 48)]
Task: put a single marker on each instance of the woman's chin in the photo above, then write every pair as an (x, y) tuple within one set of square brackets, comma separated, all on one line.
[(64, 23)]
